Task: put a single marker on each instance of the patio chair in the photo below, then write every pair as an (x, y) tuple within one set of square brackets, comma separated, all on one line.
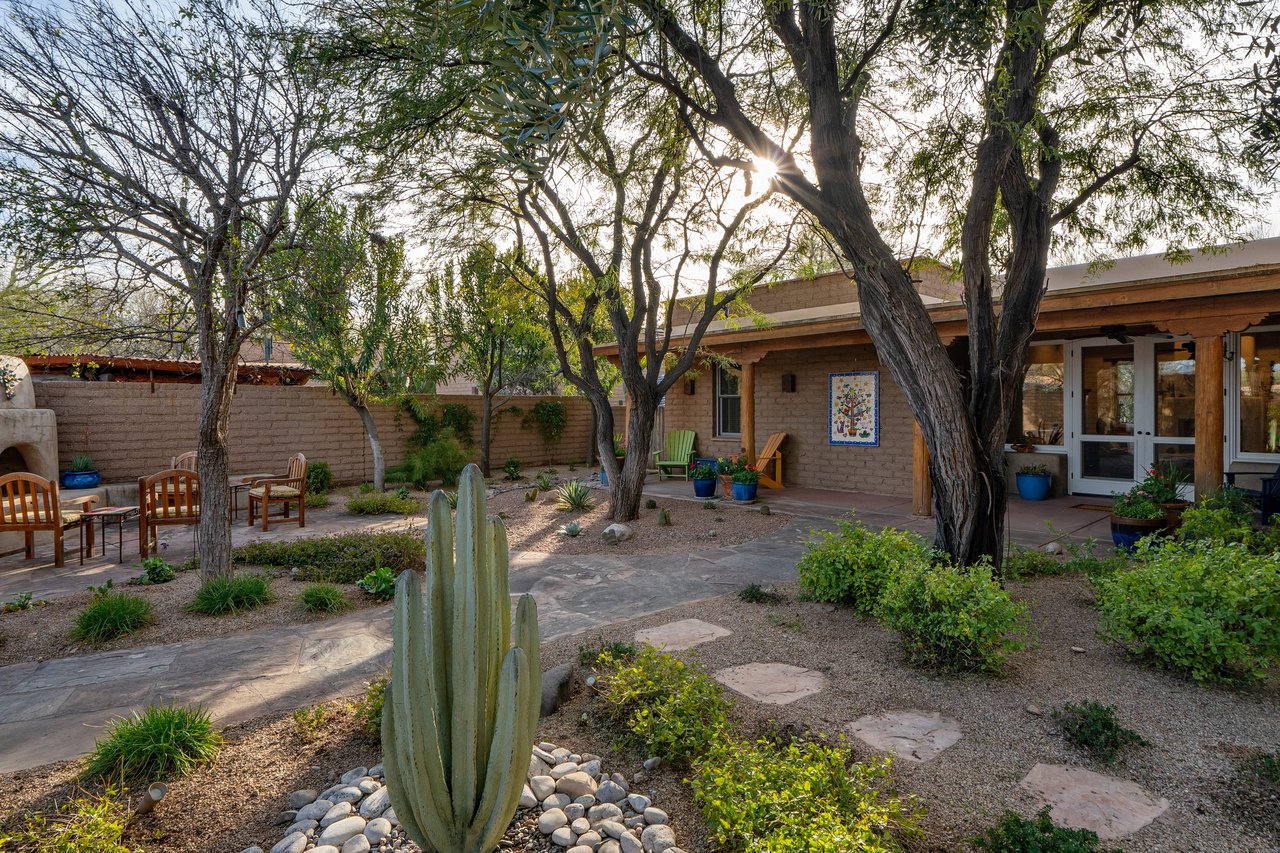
[(291, 488), (168, 498), (1267, 493), (675, 457), (29, 504), (772, 453), (185, 461)]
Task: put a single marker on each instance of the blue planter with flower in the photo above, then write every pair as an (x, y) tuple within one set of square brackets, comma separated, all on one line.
[(745, 492), (704, 488), (1034, 487), (704, 479)]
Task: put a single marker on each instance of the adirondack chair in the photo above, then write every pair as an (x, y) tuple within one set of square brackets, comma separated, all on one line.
[(29, 504), (291, 488), (772, 453), (168, 498), (676, 455), (1267, 493)]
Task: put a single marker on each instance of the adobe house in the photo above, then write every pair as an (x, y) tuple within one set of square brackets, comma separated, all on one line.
[(1144, 362)]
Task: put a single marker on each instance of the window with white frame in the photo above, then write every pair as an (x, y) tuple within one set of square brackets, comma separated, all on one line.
[(1257, 394), (728, 401), (1038, 417)]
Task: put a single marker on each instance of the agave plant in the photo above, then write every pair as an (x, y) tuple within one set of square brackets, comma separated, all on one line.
[(543, 482), (574, 496), (573, 528), (460, 710)]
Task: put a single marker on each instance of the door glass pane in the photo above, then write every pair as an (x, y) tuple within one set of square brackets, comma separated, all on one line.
[(1175, 390), (1260, 392), (1111, 460), (1182, 456), (1041, 403), (1107, 386)]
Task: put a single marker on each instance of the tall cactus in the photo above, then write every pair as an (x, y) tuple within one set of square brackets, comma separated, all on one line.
[(459, 716)]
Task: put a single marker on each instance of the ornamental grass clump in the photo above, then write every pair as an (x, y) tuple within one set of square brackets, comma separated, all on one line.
[(111, 615), (231, 594), (954, 618), (461, 706), (852, 565), (161, 742), (324, 598), (1211, 609)]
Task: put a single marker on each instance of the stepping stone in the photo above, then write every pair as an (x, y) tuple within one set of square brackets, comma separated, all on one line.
[(912, 736), (1082, 799), (772, 683), (685, 634)]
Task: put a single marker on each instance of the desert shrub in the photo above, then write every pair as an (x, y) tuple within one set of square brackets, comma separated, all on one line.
[(344, 558), (92, 823), (156, 570), (1211, 524), (319, 477), (667, 707), (954, 618), (382, 503), (800, 796), (852, 565), (617, 651), (1016, 834), (22, 601), (317, 500), (380, 583), (1028, 562), (110, 615), (161, 742), (753, 593), (324, 598), (511, 469), (308, 722), (368, 711), (573, 496), (223, 596), (1093, 727), (1209, 608), (442, 459)]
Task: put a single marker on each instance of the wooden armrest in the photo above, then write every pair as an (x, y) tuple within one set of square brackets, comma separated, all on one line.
[(274, 481)]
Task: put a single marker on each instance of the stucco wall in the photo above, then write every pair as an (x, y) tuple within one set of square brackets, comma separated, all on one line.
[(131, 430), (808, 458)]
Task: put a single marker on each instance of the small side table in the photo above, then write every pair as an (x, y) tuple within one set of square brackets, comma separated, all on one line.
[(117, 515)]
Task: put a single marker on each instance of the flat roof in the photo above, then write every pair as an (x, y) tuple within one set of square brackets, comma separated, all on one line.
[(1233, 257)]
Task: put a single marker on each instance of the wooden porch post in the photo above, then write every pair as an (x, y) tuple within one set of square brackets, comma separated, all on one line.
[(748, 401), (1209, 413), (921, 483)]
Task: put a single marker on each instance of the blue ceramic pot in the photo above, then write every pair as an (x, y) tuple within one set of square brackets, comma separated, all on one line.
[(1125, 532), (1034, 487), (704, 488), (604, 477), (80, 479), (745, 492)]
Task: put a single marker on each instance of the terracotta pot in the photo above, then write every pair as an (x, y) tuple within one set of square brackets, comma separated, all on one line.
[(1173, 513), (726, 485)]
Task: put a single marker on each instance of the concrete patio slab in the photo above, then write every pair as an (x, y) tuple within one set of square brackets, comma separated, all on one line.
[(1082, 799), (772, 683), (685, 634), (912, 736)]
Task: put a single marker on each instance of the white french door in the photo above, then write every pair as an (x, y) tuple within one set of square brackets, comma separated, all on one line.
[(1131, 406)]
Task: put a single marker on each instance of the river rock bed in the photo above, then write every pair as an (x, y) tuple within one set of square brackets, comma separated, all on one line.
[(568, 797)]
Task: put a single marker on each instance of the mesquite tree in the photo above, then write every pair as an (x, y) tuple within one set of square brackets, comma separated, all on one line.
[(168, 153), (984, 132)]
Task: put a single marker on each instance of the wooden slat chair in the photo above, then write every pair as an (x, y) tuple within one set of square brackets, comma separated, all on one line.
[(28, 505), (675, 457), (168, 498), (285, 490), (186, 461), (772, 453)]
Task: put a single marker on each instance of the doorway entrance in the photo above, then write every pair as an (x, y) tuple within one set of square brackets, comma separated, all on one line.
[(1132, 405)]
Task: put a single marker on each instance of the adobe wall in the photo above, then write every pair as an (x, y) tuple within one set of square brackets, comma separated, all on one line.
[(132, 430), (808, 458)]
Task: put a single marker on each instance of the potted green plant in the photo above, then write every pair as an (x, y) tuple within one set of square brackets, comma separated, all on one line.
[(745, 483), (1034, 482), (1135, 515), (726, 467), (82, 474), (1164, 484), (704, 480)]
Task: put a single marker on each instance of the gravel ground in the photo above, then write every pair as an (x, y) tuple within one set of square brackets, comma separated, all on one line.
[(43, 633), (533, 526)]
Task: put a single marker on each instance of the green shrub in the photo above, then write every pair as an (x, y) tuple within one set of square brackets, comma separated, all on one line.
[(802, 796), (86, 824), (573, 496), (650, 503), (954, 618), (366, 488), (156, 570), (317, 500), (382, 503), (511, 469), (455, 419), (543, 482), (319, 477), (852, 565), (617, 651), (1210, 524), (1016, 834), (549, 417), (161, 742), (228, 595), (753, 593), (668, 708), (1093, 727), (369, 707), (1209, 608), (1028, 562), (442, 460), (111, 615), (324, 598), (344, 558), (380, 583)]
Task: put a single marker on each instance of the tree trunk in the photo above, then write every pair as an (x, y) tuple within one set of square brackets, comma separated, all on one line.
[(375, 447), (486, 432), (627, 491), (215, 489), (602, 420)]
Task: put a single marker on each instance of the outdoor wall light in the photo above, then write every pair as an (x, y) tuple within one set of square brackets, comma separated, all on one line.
[(689, 387), (788, 383)]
